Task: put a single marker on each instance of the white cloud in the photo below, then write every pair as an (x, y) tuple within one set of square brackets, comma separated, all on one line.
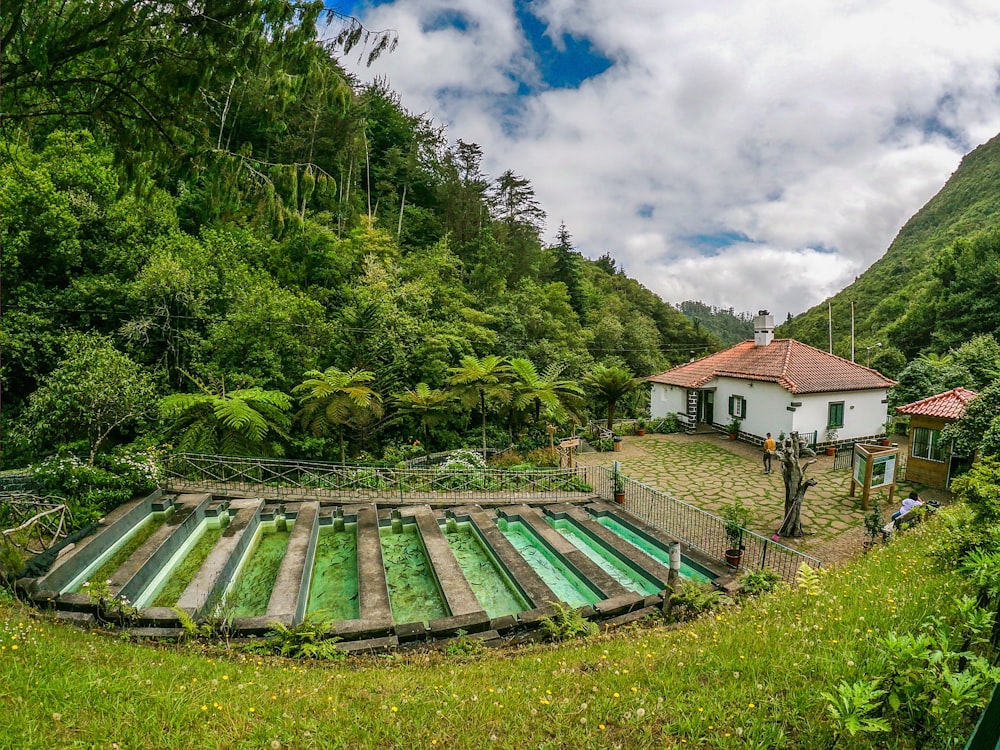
[(799, 125)]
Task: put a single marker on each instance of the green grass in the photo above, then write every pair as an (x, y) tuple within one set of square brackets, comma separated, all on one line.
[(744, 677)]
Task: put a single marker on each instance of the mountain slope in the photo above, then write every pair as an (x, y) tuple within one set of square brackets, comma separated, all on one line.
[(898, 300)]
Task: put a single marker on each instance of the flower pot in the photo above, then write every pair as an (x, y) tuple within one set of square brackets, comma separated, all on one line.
[(641, 431), (886, 441), (619, 497), (732, 435), (733, 557), (830, 450)]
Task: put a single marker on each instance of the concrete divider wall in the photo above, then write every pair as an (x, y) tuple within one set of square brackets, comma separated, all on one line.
[(146, 562), (219, 568), (117, 524), (287, 603)]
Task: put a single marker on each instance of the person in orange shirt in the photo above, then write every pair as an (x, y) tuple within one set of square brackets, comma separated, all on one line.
[(769, 447)]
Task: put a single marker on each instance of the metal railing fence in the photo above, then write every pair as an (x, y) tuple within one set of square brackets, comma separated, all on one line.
[(283, 479), (699, 528)]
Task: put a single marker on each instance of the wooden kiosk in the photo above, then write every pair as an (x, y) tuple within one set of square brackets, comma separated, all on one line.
[(874, 468)]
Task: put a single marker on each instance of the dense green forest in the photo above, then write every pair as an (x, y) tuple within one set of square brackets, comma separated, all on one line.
[(936, 286), (217, 239), (729, 326)]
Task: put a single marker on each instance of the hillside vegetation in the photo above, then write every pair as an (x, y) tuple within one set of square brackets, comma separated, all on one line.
[(767, 673), (936, 285), (210, 208)]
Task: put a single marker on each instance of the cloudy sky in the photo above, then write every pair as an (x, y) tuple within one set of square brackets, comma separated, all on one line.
[(745, 153)]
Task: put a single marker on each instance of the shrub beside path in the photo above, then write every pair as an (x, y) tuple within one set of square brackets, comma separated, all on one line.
[(710, 471)]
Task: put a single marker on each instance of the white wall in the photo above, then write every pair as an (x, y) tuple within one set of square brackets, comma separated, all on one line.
[(667, 399), (865, 414), (766, 404)]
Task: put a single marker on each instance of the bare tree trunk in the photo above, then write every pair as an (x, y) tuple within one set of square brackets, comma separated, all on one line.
[(794, 473)]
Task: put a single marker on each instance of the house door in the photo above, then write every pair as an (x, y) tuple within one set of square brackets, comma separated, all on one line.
[(707, 409)]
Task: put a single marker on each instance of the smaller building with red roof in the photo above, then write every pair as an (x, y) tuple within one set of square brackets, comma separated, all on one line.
[(931, 462), (777, 386)]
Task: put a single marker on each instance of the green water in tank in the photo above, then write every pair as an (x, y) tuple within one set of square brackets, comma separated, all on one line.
[(333, 586), (657, 551), (614, 566), (567, 586), (250, 593), (414, 593), (493, 588), (116, 556), (209, 532)]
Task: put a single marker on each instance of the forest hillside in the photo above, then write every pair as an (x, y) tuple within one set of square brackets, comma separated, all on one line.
[(209, 208), (935, 287)]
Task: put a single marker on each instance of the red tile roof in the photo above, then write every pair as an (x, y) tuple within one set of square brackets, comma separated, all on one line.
[(796, 367), (949, 405)]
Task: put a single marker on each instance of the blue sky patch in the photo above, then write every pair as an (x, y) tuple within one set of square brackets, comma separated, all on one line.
[(645, 211), (563, 67), (709, 245)]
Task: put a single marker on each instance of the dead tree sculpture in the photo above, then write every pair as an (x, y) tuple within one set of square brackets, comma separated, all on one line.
[(793, 471)]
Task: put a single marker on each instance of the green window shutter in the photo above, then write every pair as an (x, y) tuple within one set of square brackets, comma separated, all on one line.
[(743, 408), (731, 412)]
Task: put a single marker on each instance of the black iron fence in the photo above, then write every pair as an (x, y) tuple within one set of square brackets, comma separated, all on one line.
[(455, 482), (698, 528)]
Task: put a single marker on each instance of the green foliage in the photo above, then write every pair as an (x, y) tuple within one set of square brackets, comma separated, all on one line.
[(874, 522), (240, 422), (192, 628), (695, 599), (94, 391), (667, 425), (809, 580), (853, 705), (932, 681), (109, 608), (980, 488), (978, 429), (609, 384), (567, 623), (760, 581), (729, 326), (310, 639), (462, 645), (91, 491)]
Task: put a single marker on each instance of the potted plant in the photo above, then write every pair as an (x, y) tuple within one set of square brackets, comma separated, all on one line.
[(736, 517), (831, 439), (618, 487), (734, 428), (640, 427), (890, 426)]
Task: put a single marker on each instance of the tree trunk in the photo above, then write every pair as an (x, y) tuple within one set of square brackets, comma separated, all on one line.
[(794, 474)]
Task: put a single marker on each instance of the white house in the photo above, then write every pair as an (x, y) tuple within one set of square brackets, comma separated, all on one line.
[(777, 386)]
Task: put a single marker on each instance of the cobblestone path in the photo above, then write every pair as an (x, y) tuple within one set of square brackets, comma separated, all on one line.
[(709, 471)]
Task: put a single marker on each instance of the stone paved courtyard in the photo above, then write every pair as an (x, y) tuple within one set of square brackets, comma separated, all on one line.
[(709, 471)]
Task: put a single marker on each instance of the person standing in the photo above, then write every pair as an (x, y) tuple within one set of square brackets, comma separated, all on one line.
[(769, 447)]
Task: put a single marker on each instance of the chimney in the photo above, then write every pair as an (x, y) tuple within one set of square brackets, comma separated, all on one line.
[(763, 328)]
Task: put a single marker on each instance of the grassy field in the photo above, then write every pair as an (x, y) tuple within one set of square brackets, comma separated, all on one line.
[(748, 676)]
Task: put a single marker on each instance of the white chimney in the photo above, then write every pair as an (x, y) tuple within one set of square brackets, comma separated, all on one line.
[(763, 328)]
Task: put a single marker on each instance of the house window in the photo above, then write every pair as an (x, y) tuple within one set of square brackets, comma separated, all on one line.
[(927, 444), (835, 414), (738, 407)]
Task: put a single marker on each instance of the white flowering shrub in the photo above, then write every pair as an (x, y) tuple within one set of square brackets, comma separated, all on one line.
[(91, 491)]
